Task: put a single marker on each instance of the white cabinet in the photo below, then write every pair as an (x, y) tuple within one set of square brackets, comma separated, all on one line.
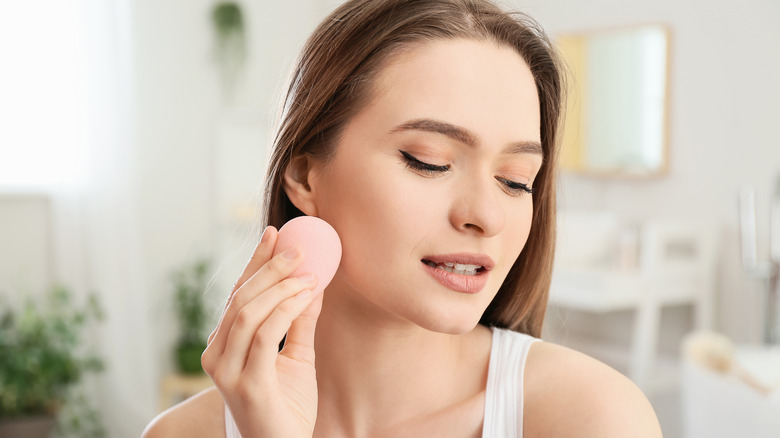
[(676, 266)]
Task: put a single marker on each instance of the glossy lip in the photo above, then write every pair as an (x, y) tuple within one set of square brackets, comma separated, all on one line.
[(470, 284)]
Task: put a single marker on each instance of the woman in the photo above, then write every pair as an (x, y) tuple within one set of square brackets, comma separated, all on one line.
[(425, 133)]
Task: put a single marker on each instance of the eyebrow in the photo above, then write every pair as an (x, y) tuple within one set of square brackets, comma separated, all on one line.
[(464, 136)]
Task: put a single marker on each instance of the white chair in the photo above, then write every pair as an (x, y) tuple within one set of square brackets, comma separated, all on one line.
[(677, 267)]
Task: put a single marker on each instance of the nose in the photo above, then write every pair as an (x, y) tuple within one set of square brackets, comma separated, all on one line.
[(477, 209)]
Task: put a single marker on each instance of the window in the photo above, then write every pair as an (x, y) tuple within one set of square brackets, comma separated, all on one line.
[(44, 109)]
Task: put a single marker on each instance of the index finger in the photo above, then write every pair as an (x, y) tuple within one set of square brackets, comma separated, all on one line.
[(262, 253)]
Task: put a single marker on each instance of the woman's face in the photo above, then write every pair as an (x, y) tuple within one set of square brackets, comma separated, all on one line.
[(428, 184)]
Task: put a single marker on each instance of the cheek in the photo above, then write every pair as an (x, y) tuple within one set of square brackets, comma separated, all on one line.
[(370, 208), (519, 229)]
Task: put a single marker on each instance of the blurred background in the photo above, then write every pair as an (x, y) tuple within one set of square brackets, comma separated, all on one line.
[(133, 141)]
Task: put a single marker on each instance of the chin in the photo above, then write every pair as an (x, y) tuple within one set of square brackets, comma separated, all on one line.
[(447, 327), (451, 323)]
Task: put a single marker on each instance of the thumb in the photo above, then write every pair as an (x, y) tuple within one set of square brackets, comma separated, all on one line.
[(299, 343)]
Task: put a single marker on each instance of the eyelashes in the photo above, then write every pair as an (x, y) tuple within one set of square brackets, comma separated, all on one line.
[(416, 164), (513, 187)]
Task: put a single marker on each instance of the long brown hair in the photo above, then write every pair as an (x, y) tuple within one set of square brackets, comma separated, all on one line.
[(334, 78)]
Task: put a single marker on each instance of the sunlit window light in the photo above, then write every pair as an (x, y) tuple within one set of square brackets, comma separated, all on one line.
[(44, 109)]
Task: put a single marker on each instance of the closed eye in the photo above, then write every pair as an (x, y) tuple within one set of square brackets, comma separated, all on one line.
[(430, 169), (514, 187)]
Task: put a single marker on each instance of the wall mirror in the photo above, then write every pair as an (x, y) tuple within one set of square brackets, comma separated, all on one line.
[(617, 103)]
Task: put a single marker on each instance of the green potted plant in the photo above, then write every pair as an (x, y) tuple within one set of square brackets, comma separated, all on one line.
[(43, 358), (190, 287), (227, 19)]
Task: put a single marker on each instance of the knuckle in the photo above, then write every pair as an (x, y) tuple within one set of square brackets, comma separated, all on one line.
[(261, 340), (222, 378), (280, 266), (243, 318), (207, 362), (276, 267), (292, 285), (219, 378), (287, 307)]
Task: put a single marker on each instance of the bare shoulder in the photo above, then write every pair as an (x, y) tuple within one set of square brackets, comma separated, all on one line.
[(199, 416), (568, 393)]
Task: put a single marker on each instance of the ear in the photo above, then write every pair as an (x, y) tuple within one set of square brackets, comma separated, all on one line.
[(296, 184)]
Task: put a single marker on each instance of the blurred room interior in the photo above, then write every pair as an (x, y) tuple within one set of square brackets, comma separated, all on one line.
[(133, 144)]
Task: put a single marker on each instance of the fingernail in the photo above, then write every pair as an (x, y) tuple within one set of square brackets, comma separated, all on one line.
[(264, 236), (291, 253)]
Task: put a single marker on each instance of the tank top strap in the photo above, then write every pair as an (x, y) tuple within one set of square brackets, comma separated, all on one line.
[(231, 429), (504, 391)]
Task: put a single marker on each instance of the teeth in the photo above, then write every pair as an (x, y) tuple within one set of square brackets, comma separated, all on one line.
[(455, 268)]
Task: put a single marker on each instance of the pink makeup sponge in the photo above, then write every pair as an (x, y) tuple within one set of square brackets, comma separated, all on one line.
[(320, 244)]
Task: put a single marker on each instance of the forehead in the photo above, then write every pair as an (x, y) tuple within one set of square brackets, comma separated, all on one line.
[(481, 85)]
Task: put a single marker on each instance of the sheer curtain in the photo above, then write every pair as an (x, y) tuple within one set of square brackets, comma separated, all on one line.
[(68, 132)]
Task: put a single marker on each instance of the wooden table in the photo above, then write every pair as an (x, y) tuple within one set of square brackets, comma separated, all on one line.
[(176, 387)]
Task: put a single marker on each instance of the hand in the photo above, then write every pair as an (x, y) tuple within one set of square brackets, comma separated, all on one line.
[(270, 393)]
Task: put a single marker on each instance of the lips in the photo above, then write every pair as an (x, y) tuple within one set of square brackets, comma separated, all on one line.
[(463, 272)]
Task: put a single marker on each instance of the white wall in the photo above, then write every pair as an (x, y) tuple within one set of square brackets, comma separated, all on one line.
[(25, 246), (725, 65)]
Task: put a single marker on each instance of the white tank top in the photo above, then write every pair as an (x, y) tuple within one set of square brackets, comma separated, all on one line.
[(503, 394)]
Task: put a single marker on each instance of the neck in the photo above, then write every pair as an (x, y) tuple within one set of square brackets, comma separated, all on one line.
[(375, 370)]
